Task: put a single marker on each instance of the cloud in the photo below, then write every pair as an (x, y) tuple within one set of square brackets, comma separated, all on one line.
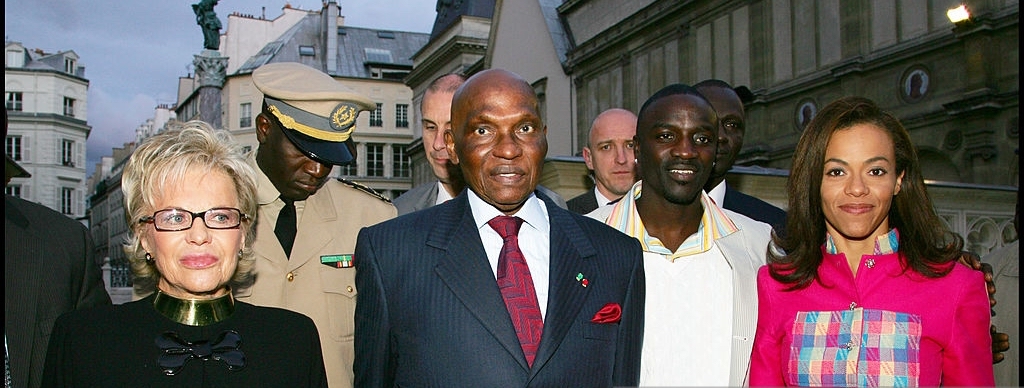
[(113, 120)]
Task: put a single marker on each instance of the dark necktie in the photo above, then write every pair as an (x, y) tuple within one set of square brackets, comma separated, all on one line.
[(516, 286), (285, 228)]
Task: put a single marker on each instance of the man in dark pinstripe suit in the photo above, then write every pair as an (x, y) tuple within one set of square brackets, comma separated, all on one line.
[(430, 309), (49, 269)]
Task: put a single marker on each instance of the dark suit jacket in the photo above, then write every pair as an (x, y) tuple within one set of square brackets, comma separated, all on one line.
[(583, 203), (430, 312), (49, 269), (755, 208)]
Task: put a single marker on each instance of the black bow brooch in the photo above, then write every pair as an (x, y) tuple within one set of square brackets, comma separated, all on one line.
[(177, 351)]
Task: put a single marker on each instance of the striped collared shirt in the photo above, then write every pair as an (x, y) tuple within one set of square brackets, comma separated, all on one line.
[(714, 224)]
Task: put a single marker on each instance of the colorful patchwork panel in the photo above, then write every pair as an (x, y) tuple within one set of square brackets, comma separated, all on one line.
[(867, 348)]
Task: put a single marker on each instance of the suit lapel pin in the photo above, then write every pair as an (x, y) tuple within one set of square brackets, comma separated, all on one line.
[(582, 280)]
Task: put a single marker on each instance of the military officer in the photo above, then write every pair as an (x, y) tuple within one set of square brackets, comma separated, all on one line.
[(307, 221)]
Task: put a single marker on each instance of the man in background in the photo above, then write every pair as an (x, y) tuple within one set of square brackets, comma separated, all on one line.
[(609, 156), (50, 268), (728, 103), (436, 113)]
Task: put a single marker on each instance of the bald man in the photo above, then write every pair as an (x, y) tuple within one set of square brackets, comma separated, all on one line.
[(441, 305), (609, 156)]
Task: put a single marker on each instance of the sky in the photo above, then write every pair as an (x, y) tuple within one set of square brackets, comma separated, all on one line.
[(134, 51)]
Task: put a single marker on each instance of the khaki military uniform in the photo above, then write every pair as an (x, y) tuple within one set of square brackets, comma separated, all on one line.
[(328, 223)]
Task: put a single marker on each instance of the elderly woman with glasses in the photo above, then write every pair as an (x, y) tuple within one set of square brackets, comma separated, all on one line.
[(189, 195)]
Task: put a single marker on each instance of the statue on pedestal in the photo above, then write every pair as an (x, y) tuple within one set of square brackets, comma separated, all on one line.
[(207, 19)]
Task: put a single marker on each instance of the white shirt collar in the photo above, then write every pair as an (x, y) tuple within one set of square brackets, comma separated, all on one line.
[(533, 212), (442, 194), (601, 199), (718, 194)]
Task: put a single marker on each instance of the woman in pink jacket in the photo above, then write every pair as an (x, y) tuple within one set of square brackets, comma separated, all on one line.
[(865, 289)]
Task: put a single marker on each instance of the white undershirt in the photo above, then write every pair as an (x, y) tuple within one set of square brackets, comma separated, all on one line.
[(534, 240), (688, 320)]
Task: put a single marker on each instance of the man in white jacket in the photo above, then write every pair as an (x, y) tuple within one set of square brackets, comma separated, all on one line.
[(701, 261)]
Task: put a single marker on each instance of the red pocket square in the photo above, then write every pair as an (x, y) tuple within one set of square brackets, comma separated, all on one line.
[(609, 313)]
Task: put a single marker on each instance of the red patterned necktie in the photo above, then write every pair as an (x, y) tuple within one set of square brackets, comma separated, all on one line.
[(516, 286)]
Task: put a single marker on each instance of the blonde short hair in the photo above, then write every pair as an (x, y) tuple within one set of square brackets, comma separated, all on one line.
[(164, 160)]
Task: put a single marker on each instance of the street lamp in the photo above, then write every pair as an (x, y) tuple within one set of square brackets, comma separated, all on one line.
[(959, 14)]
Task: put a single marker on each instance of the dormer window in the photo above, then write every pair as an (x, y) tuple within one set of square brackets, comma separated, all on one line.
[(69, 65), (306, 51), (15, 58), (376, 55)]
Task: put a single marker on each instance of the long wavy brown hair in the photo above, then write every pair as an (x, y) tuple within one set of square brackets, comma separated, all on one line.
[(926, 244)]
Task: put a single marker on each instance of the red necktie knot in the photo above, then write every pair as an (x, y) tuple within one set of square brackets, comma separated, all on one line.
[(506, 226)]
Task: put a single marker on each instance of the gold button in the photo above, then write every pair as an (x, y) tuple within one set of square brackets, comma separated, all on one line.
[(290, 276), (350, 289)]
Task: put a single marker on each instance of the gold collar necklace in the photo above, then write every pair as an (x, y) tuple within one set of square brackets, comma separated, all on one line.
[(194, 312)]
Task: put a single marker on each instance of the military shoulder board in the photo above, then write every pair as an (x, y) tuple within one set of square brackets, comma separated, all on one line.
[(365, 189)]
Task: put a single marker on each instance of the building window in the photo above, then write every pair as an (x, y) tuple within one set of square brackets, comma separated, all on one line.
[(376, 55), (69, 65), (377, 116), (66, 193), (13, 190), (69, 107), (402, 115), (401, 162), (307, 51), (374, 159), (14, 101), (245, 115), (67, 153), (349, 170), (15, 58), (120, 273), (14, 147)]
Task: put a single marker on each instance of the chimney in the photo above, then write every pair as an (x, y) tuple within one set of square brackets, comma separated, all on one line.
[(331, 9)]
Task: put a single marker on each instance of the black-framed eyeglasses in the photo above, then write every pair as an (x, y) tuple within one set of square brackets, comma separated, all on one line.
[(174, 219)]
